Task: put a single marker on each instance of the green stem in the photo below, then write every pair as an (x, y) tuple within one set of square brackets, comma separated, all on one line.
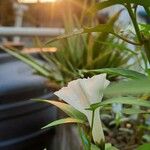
[(141, 38), (147, 41), (126, 40), (147, 48), (134, 21), (92, 123)]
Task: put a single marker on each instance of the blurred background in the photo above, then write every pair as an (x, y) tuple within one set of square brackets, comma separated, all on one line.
[(47, 14), (44, 13), (31, 69)]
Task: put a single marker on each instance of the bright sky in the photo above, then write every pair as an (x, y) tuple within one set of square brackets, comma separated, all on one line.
[(35, 1)]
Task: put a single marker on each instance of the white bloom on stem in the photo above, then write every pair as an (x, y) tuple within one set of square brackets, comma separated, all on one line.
[(81, 93)]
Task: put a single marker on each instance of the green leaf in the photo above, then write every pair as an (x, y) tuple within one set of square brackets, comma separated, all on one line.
[(128, 101), (129, 87), (132, 111), (145, 29), (64, 36), (108, 146), (108, 3), (104, 28), (63, 121), (108, 28), (121, 100), (117, 71), (69, 110), (94, 147), (144, 147), (28, 60), (119, 46)]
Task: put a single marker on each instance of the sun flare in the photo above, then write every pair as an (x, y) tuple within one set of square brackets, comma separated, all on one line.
[(44, 1), (35, 1)]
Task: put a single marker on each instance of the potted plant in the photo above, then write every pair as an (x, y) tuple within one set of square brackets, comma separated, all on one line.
[(62, 70)]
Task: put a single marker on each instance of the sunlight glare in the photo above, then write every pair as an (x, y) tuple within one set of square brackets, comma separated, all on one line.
[(35, 1), (46, 1), (27, 1)]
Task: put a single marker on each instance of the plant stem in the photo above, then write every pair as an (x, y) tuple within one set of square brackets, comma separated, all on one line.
[(134, 21), (126, 40), (147, 49), (144, 41), (92, 123)]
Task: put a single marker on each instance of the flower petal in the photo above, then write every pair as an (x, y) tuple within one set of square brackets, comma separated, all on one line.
[(77, 89), (97, 131), (69, 97), (93, 87), (73, 95)]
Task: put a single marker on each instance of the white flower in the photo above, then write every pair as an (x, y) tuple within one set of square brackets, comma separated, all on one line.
[(81, 93)]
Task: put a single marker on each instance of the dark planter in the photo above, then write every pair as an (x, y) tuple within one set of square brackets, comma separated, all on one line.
[(17, 81), (21, 123), (21, 119)]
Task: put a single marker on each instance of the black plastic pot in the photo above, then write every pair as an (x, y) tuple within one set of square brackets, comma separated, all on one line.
[(17, 81), (21, 123), (21, 119)]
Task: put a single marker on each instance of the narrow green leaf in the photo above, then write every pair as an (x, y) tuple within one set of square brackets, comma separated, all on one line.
[(132, 111), (118, 72), (119, 46), (145, 29), (108, 3), (108, 146), (127, 100), (69, 110), (31, 62), (129, 87), (99, 28), (63, 121), (121, 100), (64, 36), (107, 28), (94, 147)]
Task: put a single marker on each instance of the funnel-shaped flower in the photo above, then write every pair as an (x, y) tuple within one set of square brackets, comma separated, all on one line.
[(81, 93)]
